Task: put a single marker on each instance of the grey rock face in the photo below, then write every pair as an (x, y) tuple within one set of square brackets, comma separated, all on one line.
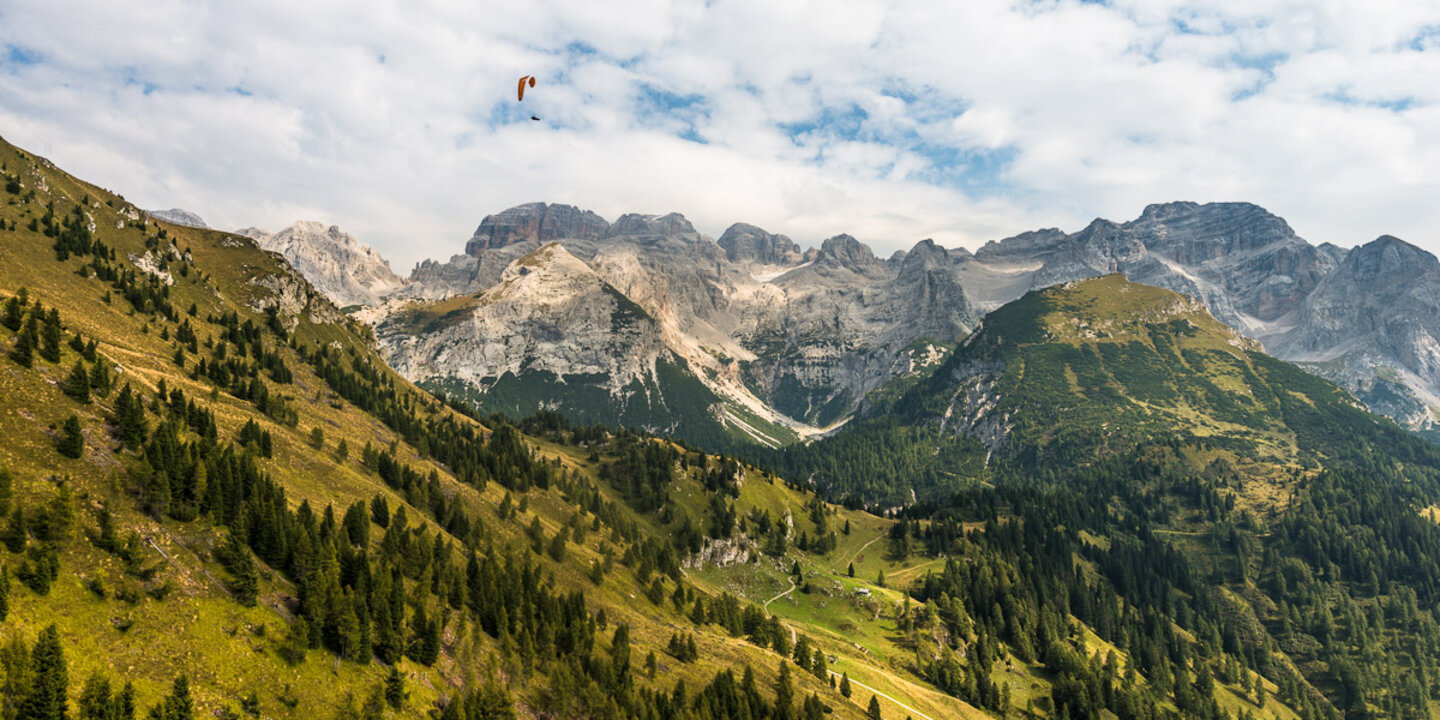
[(535, 222), (806, 334), (1373, 326), (550, 312), (179, 217), (346, 271), (746, 244)]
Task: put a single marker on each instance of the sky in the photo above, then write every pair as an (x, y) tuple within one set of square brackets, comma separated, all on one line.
[(892, 121)]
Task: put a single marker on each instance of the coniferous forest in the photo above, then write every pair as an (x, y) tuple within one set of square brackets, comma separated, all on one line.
[(217, 501)]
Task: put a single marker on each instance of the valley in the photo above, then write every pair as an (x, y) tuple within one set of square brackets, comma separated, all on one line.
[(1095, 500)]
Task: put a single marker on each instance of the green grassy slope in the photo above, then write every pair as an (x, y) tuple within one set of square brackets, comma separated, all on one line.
[(170, 605)]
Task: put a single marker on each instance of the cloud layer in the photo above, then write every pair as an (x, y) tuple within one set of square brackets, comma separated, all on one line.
[(891, 121)]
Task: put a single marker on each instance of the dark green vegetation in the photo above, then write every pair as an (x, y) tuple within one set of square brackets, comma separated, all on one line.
[(1236, 531), (218, 501), (675, 403)]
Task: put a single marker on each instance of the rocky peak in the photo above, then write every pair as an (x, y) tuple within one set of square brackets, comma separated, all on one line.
[(1192, 233), (634, 224), (847, 252), (535, 221), (1387, 259), (1022, 245), (924, 257), (548, 264), (345, 270), (746, 243)]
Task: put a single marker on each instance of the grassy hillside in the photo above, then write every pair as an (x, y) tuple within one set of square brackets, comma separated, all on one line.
[(240, 492), (1239, 529), (235, 510)]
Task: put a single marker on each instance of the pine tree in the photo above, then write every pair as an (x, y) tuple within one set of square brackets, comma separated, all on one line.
[(784, 694), (77, 383), (23, 353), (873, 712), (7, 490), (130, 418), (100, 378), (5, 593), (71, 442), (395, 688), (851, 570), (51, 337), (49, 679), (14, 314), (845, 684), (16, 533), (880, 579), (620, 657), (177, 705), (238, 560)]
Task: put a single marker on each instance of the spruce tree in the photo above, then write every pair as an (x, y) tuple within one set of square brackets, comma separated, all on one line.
[(130, 418), (100, 378), (845, 684), (71, 442), (23, 353), (784, 694), (178, 704), (7, 490), (873, 712), (395, 688), (16, 533), (50, 337), (49, 680), (14, 314), (240, 563), (77, 383), (620, 657)]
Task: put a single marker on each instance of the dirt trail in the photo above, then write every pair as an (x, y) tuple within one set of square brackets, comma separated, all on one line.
[(913, 712)]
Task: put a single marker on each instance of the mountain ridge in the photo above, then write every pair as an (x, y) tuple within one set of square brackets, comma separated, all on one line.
[(802, 335)]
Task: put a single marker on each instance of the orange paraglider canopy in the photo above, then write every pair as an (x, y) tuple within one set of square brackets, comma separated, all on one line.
[(520, 91)]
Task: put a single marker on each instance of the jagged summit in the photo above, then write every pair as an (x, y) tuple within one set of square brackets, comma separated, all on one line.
[(635, 224), (347, 271), (536, 221), (808, 333), (744, 243)]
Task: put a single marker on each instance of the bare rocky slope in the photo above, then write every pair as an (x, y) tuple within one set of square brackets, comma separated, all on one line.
[(799, 337), (348, 272)]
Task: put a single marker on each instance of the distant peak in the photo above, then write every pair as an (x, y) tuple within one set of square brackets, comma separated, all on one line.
[(744, 242), (178, 216), (535, 221), (637, 224), (1388, 258), (845, 251)]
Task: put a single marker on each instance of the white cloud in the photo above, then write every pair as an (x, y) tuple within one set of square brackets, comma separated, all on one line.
[(398, 120)]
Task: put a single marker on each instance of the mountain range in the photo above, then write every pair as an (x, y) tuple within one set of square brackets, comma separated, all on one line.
[(1102, 503), (785, 342)]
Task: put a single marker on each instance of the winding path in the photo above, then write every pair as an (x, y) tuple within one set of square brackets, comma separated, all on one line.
[(913, 712), (862, 548), (766, 606)]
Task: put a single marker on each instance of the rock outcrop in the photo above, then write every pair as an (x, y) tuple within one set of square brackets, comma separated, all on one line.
[(535, 222), (346, 271), (179, 217)]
